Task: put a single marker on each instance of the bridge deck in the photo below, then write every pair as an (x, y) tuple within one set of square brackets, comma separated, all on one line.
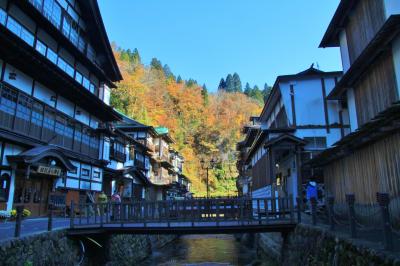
[(185, 217)]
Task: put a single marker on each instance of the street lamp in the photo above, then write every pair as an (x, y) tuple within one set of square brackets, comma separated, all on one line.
[(206, 166)]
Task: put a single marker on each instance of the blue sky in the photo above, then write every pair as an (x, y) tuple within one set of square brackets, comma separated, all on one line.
[(207, 39)]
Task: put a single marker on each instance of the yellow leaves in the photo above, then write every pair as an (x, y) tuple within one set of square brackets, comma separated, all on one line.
[(200, 130)]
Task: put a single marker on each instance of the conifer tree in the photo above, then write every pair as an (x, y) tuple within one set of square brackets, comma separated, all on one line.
[(237, 84), (156, 64), (222, 85), (204, 93), (179, 79), (229, 83), (247, 89)]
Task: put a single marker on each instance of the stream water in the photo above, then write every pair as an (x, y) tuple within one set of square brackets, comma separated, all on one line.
[(204, 250)]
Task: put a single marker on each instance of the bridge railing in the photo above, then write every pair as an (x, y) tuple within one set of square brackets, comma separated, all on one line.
[(193, 212)]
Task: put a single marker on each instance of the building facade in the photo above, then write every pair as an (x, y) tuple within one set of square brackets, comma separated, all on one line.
[(57, 68), (367, 160), (296, 123)]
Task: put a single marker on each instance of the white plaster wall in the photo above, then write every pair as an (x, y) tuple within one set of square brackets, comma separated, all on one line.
[(392, 7), (11, 149), (83, 116), (43, 94), (344, 51), (22, 81), (94, 122), (115, 165), (331, 137), (396, 60), (351, 102), (308, 102), (107, 95), (65, 106)]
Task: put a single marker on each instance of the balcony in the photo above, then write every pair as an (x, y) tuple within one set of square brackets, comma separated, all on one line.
[(46, 67), (24, 117)]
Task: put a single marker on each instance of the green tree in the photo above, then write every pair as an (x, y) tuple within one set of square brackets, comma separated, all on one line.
[(266, 92), (229, 83), (191, 83), (222, 85), (179, 79), (237, 84), (204, 93), (156, 64), (247, 89), (167, 72)]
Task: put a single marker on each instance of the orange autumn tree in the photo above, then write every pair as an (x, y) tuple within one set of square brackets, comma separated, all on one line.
[(203, 125)]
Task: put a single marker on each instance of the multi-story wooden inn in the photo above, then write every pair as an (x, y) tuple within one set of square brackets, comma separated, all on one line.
[(367, 160), (296, 123), (57, 68)]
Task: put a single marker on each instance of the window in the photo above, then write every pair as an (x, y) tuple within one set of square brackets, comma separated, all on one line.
[(41, 47), (78, 77), (315, 143), (85, 173), (52, 56), (3, 16), (48, 125), (5, 181), (66, 29), (52, 11), (23, 115), (96, 175), (86, 83), (59, 129), (7, 107), (36, 120), (37, 4), (77, 138)]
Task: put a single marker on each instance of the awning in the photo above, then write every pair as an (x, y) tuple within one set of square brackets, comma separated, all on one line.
[(132, 170), (285, 138), (35, 155)]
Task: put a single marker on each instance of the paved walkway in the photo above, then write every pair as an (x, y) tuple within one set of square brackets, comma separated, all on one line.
[(31, 226)]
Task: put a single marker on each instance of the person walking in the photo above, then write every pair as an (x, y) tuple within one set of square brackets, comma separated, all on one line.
[(312, 192), (102, 201)]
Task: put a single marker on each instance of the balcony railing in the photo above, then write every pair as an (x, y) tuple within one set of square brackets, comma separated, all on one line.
[(24, 115), (28, 37)]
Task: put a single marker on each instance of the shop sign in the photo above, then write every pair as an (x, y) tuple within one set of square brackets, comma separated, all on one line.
[(46, 170)]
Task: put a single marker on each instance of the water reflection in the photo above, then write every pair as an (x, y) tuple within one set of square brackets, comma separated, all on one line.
[(203, 250)]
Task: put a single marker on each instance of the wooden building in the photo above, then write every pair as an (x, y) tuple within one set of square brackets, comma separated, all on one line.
[(367, 160), (296, 123), (56, 71), (163, 167)]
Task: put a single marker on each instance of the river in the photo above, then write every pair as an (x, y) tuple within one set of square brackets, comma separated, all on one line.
[(204, 250)]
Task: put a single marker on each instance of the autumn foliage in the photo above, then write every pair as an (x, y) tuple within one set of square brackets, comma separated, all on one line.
[(203, 125)]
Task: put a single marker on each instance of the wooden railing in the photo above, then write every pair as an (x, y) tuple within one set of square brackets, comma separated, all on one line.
[(191, 213)]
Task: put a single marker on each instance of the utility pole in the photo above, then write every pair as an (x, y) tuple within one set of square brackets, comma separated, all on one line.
[(206, 166)]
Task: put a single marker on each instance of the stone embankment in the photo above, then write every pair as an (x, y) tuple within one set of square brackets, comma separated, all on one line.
[(309, 245), (56, 248)]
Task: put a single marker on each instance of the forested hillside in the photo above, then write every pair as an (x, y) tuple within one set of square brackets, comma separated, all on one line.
[(204, 125)]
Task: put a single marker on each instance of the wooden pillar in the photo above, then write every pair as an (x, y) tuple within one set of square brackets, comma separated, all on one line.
[(299, 176)]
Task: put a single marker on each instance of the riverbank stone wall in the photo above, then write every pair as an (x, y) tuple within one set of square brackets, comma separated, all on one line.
[(309, 245), (56, 248), (49, 248)]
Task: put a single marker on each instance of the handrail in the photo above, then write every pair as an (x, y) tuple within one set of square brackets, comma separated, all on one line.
[(190, 213)]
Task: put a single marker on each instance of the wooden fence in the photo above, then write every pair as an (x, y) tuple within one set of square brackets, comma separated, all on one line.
[(192, 213)]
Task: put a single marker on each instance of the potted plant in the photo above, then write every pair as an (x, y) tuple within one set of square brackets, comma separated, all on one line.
[(5, 215)]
